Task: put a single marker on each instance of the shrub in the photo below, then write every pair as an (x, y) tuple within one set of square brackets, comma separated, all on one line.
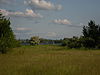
[(34, 40)]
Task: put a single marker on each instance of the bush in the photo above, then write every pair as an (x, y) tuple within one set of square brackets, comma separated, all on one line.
[(34, 40), (88, 42), (72, 42), (64, 43)]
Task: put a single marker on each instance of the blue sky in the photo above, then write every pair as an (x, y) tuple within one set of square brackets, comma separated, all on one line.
[(51, 19)]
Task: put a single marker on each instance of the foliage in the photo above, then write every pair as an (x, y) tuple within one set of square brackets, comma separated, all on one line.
[(90, 38), (87, 42), (50, 41), (34, 40), (72, 42), (91, 34), (7, 39), (64, 42)]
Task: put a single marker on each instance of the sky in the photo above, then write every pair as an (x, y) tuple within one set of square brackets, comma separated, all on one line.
[(50, 19)]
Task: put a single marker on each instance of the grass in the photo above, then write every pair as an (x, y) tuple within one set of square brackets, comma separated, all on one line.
[(49, 60)]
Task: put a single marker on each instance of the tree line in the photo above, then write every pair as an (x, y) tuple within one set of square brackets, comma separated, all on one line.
[(89, 39)]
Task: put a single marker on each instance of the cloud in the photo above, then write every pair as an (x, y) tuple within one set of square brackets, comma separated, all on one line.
[(42, 5), (22, 30), (62, 21), (51, 34), (28, 13), (6, 1)]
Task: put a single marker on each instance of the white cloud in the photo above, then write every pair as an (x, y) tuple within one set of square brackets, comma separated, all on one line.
[(22, 29), (61, 21), (51, 34), (42, 5), (27, 13)]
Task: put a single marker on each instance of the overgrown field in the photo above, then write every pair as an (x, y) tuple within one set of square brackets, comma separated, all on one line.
[(49, 60)]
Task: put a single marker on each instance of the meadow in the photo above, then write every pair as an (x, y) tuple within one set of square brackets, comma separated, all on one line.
[(49, 60)]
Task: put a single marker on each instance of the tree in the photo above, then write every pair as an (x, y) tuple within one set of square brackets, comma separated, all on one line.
[(72, 42), (87, 42), (34, 40), (91, 33), (7, 39)]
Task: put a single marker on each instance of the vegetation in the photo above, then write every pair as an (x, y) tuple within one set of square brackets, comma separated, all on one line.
[(39, 56), (7, 39), (91, 34), (50, 60), (50, 42), (90, 38), (34, 40)]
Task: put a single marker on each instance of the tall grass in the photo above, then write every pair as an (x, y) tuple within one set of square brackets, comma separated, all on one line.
[(49, 60)]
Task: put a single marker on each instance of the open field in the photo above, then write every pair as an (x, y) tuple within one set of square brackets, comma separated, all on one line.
[(50, 60)]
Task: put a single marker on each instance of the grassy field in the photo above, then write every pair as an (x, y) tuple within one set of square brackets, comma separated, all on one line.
[(50, 60)]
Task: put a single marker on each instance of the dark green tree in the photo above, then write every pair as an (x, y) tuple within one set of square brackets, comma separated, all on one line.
[(91, 34), (7, 39)]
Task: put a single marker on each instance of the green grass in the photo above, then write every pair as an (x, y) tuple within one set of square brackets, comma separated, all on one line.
[(49, 60)]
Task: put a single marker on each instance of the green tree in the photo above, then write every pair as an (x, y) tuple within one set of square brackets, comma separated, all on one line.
[(7, 39), (72, 42), (91, 33), (87, 42)]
